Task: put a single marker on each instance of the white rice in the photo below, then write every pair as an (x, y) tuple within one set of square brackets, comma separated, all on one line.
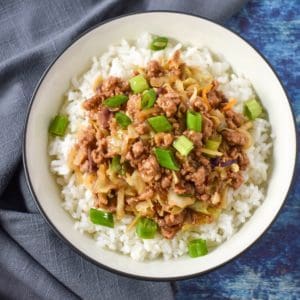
[(120, 60)]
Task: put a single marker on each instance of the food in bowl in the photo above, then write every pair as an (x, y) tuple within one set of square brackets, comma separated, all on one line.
[(160, 149)]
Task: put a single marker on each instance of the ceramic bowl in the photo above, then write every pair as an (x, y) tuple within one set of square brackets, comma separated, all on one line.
[(76, 58)]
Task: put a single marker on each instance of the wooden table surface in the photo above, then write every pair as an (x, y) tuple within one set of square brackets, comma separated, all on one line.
[(270, 269)]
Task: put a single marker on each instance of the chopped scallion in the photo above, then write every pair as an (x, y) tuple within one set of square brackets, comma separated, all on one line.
[(197, 248), (59, 125), (194, 121), (100, 217), (115, 101), (166, 159), (116, 166), (146, 228), (211, 153), (183, 145), (212, 144), (122, 119), (159, 43), (138, 84), (148, 98), (185, 195), (252, 109), (160, 124)]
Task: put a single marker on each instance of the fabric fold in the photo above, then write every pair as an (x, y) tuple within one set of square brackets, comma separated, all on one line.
[(23, 272)]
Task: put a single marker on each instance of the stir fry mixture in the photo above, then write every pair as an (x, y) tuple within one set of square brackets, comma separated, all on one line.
[(163, 146)]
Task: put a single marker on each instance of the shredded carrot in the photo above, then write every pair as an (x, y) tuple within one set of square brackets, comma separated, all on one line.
[(230, 104), (205, 90)]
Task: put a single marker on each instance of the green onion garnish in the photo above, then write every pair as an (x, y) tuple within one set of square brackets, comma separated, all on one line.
[(115, 165), (59, 125), (115, 101), (252, 109), (159, 43), (138, 84), (166, 159), (194, 121), (197, 248), (122, 119), (185, 195), (146, 228), (148, 98), (212, 144), (160, 124), (100, 217), (183, 145), (211, 153)]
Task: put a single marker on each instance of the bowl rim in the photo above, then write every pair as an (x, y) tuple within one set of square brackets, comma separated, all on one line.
[(48, 220)]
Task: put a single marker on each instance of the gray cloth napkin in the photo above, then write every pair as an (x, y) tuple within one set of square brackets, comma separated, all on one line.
[(34, 262)]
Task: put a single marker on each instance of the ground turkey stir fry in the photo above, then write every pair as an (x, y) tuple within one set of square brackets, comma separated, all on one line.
[(165, 145)]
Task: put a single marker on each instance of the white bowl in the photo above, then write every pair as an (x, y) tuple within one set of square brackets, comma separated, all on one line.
[(75, 59)]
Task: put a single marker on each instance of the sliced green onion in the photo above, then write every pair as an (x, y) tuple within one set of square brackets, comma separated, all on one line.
[(100, 217), (160, 124), (122, 119), (166, 159), (115, 165), (59, 125), (212, 144), (211, 153), (185, 195), (183, 145), (146, 228), (197, 248), (148, 98), (115, 101), (252, 109), (194, 121), (159, 43), (138, 84)]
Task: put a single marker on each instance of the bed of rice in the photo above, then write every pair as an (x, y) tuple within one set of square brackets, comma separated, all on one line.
[(120, 60)]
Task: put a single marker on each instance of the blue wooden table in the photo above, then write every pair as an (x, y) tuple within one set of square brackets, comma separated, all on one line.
[(270, 269)]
